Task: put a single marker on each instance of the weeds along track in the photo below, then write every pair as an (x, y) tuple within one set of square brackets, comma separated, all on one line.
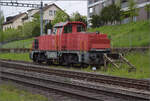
[(68, 86), (91, 77)]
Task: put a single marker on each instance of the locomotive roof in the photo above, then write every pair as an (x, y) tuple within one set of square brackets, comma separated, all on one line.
[(64, 23), (60, 24)]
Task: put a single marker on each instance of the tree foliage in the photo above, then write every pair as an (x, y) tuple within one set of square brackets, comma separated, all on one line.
[(147, 9), (118, 3), (1, 19), (133, 11), (60, 16), (36, 25), (96, 21), (78, 17), (110, 14), (48, 26), (1, 29)]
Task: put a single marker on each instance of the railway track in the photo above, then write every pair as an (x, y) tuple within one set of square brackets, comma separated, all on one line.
[(91, 77), (68, 86)]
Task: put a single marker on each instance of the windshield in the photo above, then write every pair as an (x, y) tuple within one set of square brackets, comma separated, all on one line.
[(58, 29)]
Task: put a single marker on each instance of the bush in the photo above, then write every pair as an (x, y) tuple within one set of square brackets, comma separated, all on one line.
[(36, 31), (96, 21), (29, 29), (77, 17), (111, 14), (10, 34)]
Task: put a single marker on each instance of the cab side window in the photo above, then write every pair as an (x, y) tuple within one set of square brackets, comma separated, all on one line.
[(80, 28), (68, 28)]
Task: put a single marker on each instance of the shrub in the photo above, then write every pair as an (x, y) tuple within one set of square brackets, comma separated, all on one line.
[(36, 31), (96, 21)]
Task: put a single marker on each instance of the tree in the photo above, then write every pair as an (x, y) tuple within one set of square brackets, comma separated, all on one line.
[(48, 26), (147, 9), (111, 13), (77, 17), (36, 25), (133, 11), (60, 16), (1, 22), (36, 31), (118, 3), (96, 21), (1, 19)]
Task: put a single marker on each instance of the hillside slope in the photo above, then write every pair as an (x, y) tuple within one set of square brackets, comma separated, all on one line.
[(125, 35), (134, 34), (27, 43)]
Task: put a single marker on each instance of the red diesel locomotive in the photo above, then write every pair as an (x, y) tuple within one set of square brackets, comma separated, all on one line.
[(69, 43)]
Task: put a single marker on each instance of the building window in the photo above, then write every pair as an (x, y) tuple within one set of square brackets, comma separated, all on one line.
[(134, 18), (90, 2), (54, 12), (123, 1), (103, 4), (50, 13), (91, 10), (96, 0), (126, 20)]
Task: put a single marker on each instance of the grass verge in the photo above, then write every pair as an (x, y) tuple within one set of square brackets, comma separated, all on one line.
[(19, 44), (140, 60), (15, 56), (11, 93), (134, 34)]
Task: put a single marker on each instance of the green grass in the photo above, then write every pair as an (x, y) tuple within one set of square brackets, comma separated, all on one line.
[(139, 59), (141, 62), (19, 44), (11, 93), (15, 56), (125, 35)]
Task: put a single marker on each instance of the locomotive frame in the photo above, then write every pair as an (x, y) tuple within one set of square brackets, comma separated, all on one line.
[(69, 44)]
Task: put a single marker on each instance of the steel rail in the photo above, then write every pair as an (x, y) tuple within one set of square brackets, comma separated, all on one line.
[(94, 94), (92, 77)]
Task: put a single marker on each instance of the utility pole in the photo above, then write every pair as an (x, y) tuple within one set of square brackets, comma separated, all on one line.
[(41, 18)]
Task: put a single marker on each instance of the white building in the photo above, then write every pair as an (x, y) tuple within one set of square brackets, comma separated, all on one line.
[(49, 12)]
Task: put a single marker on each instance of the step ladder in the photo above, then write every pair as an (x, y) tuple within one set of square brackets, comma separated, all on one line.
[(117, 58)]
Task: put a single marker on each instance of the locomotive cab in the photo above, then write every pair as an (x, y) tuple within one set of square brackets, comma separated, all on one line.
[(69, 27)]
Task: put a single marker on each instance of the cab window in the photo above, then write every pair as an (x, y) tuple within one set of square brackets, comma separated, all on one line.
[(54, 30), (80, 28), (68, 28), (60, 30)]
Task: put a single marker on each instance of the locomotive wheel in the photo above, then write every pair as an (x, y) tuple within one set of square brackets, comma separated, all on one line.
[(83, 65), (35, 57), (64, 59), (48, 62)]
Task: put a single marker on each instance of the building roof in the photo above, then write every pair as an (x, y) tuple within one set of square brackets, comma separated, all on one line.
[(31, 10), (13, 18), (48, 6)]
